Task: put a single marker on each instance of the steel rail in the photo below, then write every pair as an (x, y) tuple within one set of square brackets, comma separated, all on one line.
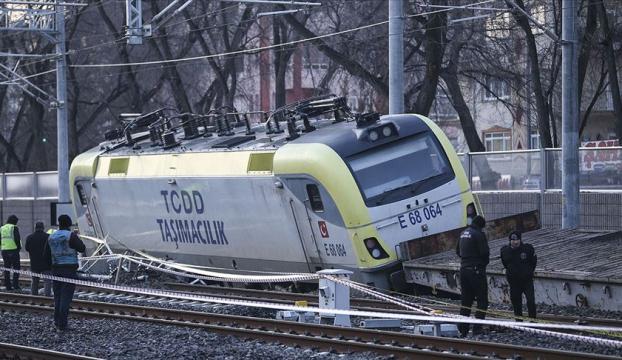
[(13, 351), (401, 345), (367, 304), (362, 304)]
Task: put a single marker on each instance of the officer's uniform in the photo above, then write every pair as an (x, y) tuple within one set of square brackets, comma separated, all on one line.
[(520, 263), (472, 248), (10, 246)]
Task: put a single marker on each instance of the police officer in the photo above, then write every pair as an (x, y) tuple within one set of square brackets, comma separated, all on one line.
[(63, 246), (40, 262), (10, 246), (520, 260), (472, 248)]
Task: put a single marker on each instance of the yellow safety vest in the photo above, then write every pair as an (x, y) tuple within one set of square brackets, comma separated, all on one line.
[(7, 240), (50, 231)]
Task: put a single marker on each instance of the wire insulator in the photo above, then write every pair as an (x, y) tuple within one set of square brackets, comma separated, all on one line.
[(169, 140)]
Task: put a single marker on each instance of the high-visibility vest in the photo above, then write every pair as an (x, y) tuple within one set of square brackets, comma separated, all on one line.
[(62, 254), (6, 237), (51, 231)]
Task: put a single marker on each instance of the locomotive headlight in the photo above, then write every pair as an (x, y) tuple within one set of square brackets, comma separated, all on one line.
[(387, 131), (375, 250), (373, 135)]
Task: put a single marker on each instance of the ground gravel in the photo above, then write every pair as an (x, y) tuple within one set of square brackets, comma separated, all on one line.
[(121, 339)]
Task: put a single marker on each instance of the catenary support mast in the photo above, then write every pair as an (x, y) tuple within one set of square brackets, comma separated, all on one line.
[(570, 118), (396, 57), (61, 106), (51, 26)]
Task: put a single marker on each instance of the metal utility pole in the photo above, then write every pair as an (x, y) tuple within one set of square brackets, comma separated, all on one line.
[(48, 19), (61, 106), (396, 57), (570, 118), (136, 31), (134, 22), (570, 111)]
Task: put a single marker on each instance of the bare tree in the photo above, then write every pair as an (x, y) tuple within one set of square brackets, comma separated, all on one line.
[(610, 58)]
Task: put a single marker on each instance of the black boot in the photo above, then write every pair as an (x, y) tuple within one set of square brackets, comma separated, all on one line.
[(7, 280), (16, 282), (464, 329), (477, 330)]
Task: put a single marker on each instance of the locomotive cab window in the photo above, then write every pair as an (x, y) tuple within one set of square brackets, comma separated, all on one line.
[(81, 194), (314, 198), (401, 169)]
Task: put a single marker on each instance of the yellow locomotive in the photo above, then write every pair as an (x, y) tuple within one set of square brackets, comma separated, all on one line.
[(311, 188)]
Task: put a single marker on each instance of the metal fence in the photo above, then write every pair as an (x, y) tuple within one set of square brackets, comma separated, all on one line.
[(29, 186), (540, 169), (600, 168), (505, 182)]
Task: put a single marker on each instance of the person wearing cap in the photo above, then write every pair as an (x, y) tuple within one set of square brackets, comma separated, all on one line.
[(40, 262), (63, 247), (10, 246), (519, 260), (474, 253)]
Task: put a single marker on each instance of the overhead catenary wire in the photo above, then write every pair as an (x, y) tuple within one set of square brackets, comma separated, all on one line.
[(122, 39), (117, 41), (147, 69), (244, 51), (142, 69), (161, 67), (253, 50)]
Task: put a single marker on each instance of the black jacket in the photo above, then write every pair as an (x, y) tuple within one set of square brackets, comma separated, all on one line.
[(520, 263), (35, 245), (472, 248)]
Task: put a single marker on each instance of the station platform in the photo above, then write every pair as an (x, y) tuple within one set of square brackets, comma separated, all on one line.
[(580, 268)]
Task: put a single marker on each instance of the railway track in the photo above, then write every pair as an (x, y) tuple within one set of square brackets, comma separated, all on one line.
[(12, 351), (361, 303), (397, 344), (283, 297)]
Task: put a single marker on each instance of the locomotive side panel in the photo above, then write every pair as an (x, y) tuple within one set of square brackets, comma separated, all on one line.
[(241, 222), (319, 223), (339, 195)]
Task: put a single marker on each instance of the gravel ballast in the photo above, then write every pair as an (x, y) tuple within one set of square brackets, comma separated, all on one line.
[(122, 339)]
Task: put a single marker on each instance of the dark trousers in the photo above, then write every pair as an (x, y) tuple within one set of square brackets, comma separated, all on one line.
[(63, 294), (47, 284), (474, 287), (518, 287), (11, 261)]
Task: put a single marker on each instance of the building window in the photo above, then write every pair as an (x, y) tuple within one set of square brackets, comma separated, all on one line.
[(353, 102), (498, 26), (498, 141), (534, 140), (442, 108), (315, 66), (539, 14), (496, 89)]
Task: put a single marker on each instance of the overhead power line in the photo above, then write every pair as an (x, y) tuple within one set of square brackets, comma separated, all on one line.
[(263, 48)]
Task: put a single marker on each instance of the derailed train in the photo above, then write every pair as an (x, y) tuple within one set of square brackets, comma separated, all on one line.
[(341, 192)]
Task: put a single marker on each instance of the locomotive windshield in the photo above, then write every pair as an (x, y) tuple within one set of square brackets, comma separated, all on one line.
[(400, 169)]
